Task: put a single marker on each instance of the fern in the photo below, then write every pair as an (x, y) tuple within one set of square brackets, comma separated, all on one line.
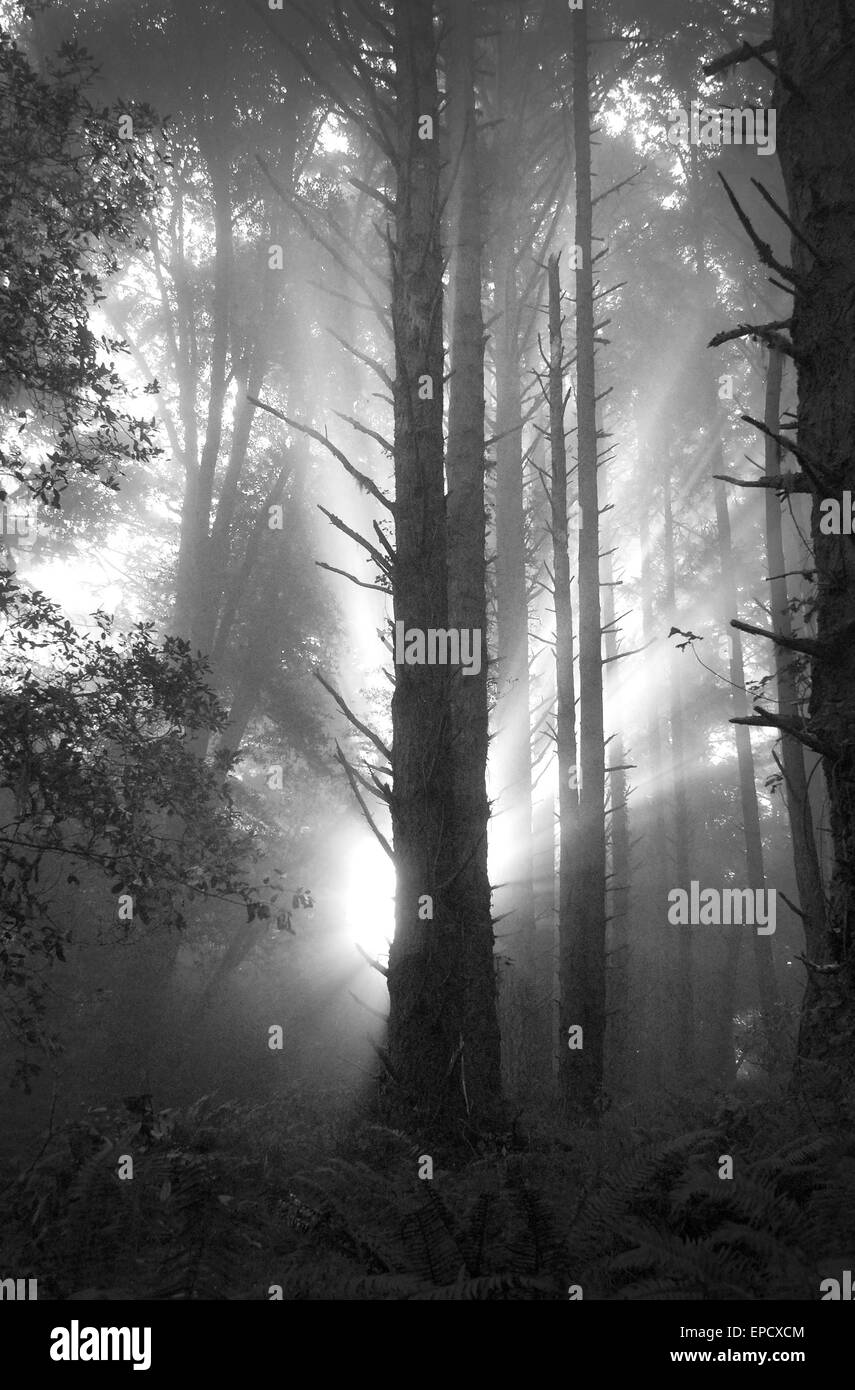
[(716, 1272), (481, 1226), (534, 1247), (493, 1288), (427, 1238), (228, 1198)]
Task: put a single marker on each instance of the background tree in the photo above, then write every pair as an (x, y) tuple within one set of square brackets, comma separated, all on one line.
[(74, 191)]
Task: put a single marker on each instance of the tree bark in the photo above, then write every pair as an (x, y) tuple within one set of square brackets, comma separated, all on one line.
[(441, 1067), (513, 721), (816, 55), (724, 1059), (755, 872), (467, 567), (657, 1002), (588, 1001), (790, 700), (620, 869), (684, 997), (565, 682)]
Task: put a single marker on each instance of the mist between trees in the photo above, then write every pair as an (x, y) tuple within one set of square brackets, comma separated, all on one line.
[(426, 666)]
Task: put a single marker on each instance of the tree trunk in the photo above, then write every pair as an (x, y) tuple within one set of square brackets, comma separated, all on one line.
[(618, 941), (658, 944), (467, 568), (512, 744), (816, 54), (190, 605), (684, 999), (433, 1057), (788, 665), (513, 735), (764, 958), (589, 985), (756, 877), (565, 683)]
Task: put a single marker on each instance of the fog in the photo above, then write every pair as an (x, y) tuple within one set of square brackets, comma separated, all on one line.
[(369, 685)]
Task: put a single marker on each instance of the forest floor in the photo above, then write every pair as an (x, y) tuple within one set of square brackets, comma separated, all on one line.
[(297, 1199)]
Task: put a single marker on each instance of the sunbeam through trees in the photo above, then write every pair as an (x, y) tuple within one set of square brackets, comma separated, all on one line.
[(427, 657)]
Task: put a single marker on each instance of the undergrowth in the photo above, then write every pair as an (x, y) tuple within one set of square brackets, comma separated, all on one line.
[(232, 1201)]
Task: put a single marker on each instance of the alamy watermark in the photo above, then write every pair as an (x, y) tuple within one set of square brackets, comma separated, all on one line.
[(439, 646), (21, 527), (709, 126), (76, 1343), (716, 907), (837, 1290), (837, 518), (19, 1290)]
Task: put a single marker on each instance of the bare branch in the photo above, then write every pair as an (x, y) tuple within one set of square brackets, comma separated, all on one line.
[(766, 332), (370, 79), (294, 203), (617, 186), (385, 444), (373, 193), (620, 655), (763, 249), (743, 54), (363, 584), (339, 294), (331, 93), (781, 482), (806, 645), (811, 469), (384, 541), (384, 1018), (788, 222), (357, 723), (371, 961), (364, 358), (832, 969), (765, 719), (366, 483), (379, 560), (382, 794)]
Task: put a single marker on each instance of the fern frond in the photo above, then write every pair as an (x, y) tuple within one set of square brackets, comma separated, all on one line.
[(431, 1248)]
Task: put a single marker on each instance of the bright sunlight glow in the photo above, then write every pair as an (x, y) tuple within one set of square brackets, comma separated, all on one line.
[(370, 910)]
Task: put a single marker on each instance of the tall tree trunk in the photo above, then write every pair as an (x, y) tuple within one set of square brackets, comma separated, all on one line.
[(512, 745), (565, 682), (512, 750), (513, 739), (432, 1055), (787, 667), (684, 998), (588, 999), (657, 1002), (763, 952), (186, 368), (756, 877), (618, 940), (816, 55), (546, 986), (467, 568), (191, 603)]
